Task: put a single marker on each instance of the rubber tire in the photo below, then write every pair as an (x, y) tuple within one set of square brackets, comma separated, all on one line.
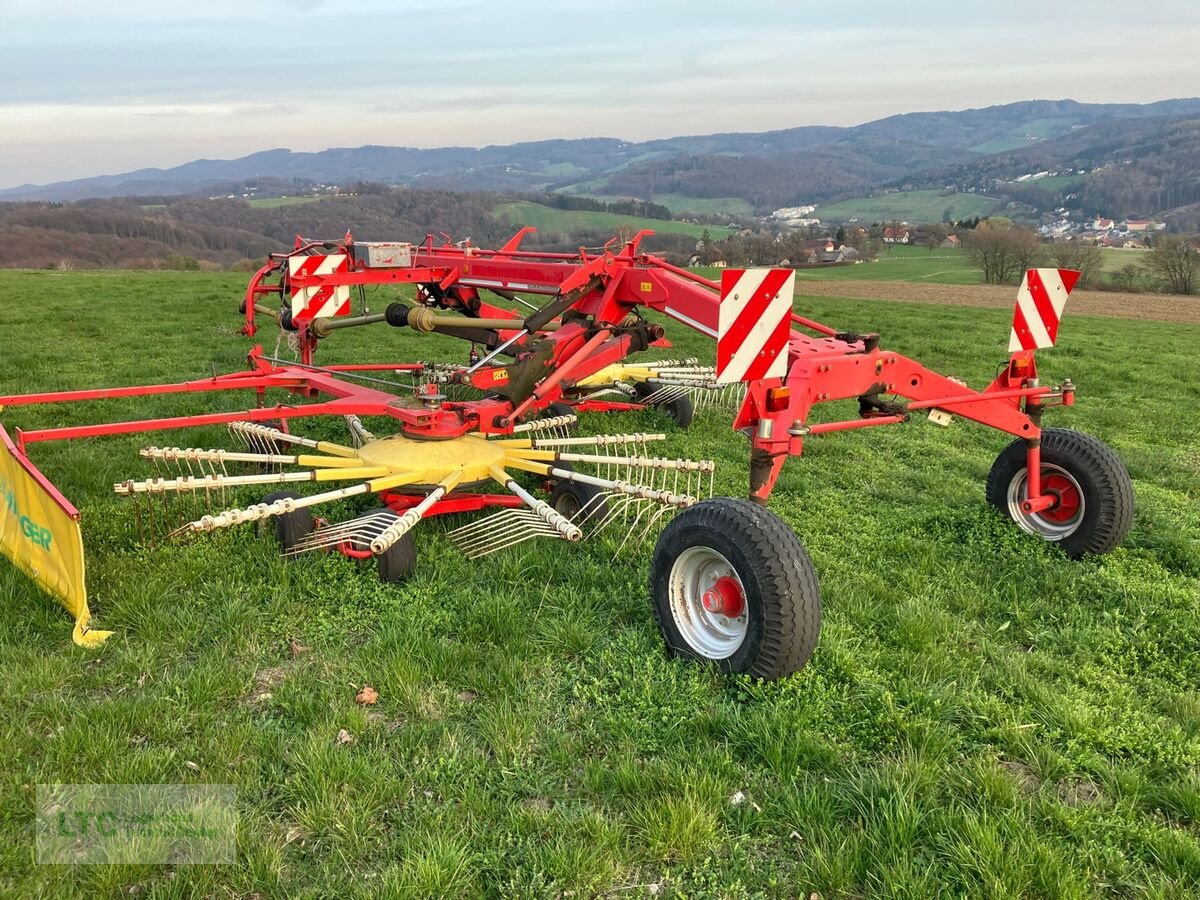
[(576, 496), (562, 409), (680, 410), (1107, 488), (290, 528), (782, 594), (400, 560)]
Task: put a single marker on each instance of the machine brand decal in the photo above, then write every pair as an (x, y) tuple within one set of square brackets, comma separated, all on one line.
[(754, 322), (34, 532), (500, 375), (1040, 303)]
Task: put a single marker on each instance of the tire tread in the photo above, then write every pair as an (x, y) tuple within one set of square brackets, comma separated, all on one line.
[(1101, 465), (790, 591)]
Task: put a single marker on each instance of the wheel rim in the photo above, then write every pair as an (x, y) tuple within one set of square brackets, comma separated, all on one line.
[(708, 602), (1059, 521), (567, 504)]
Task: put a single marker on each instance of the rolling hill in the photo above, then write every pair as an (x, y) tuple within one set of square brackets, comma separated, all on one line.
[(730, 173), (202, 233)]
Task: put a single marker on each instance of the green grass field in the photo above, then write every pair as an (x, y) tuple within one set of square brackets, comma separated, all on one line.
[(902, 263), (552, 221), (277, 202), (982, 718), (1019, 137), (895, 263), (908, 206), (679, 204), (943, 266)]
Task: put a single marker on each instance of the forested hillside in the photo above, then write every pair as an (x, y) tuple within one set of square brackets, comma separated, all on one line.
[(1146, 154), (203, 233)]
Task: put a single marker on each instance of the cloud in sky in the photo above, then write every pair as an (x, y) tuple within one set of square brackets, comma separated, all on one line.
[(127, 84)]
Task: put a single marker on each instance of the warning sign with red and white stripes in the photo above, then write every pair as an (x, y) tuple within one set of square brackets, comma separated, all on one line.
[(754, 322), (319, 301), (1040, 303)]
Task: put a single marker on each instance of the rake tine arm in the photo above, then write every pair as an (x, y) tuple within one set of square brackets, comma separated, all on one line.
[(405, 523)]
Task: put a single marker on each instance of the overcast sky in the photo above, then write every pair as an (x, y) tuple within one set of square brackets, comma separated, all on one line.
[(99, 88)]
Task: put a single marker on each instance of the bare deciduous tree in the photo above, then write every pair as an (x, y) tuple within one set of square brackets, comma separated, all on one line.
[(935, 233), (1083, 257), (1003, 252), (1175, 264)]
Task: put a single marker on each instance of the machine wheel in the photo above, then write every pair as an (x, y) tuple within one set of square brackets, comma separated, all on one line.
[(1095, 495), (562, 409), (679, 410), (733, 585), (290, 528), (569, 497), (400, 560)]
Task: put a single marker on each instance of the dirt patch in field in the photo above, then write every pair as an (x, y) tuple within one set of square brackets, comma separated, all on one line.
[(1080, 793), (265, 681), (1153, 307), (1026, 781)]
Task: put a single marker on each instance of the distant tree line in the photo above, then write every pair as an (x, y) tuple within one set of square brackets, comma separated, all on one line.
[(202, 233), (1003, 251), (640, 208)]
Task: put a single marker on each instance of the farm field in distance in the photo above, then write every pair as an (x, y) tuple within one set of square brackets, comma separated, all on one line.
[(681, 204), (549, 220), (897, 262), (909, 206), (275, 202), (900, 262), (982, 718)]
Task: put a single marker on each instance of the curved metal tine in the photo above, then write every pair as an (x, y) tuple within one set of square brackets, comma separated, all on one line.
[(614, 509), (359, 538), (642, 506), (137, 517), (500, 527), (478, 523), (239, 436), (516, 538), (588, 511), (659, 395), (637, 536), (508, 521), (509, 527), (359, 532)]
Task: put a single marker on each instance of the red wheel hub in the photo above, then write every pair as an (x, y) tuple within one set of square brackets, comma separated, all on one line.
[(1068, 500), (725, 597)]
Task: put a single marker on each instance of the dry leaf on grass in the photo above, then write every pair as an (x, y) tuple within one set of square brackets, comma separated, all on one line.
[(344, 737), (368, 696)]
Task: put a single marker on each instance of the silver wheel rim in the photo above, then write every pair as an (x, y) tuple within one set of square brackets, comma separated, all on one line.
[(1036, 523), (710, 634)]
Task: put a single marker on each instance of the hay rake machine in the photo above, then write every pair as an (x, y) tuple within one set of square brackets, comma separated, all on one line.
[(730, 582), (313, 287)]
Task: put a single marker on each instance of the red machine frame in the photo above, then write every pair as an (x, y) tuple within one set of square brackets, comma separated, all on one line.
[(824, 364), (591, 322)]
